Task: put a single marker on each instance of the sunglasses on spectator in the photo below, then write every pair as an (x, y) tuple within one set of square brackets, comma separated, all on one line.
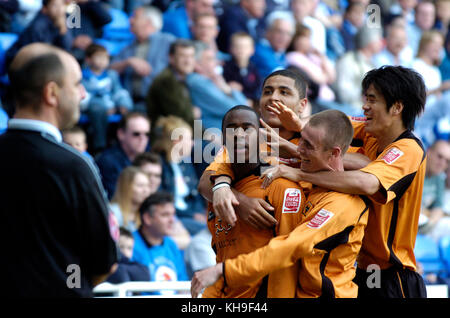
[(137, 134)]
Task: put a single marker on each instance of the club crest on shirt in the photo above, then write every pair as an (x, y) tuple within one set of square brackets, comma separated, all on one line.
[(320, 219), (307, 208), (392, 155), (292, 200)]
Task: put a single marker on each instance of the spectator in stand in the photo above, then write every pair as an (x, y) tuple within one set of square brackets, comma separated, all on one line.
[(405, 8), (133, 138), (152, 245), (245, 16), (105, 94), (270, 52), (353, 65), (427, 62), (173, 140), (424, 20), (199, 253), (141, 61), (303, 11), (315, 65), (354, 17), (397, 51), (206, 29), (438, 91), (93, 17), (131, 190), (437, 223), (49, 26), (28, 9), (208, 89), (179, 21), (442, 16), (76, 137), (168, 95), (239, 71), (151, 164), (128, 270)]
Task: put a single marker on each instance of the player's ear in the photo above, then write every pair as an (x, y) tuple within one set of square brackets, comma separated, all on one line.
[(336, 152), (397, 108)]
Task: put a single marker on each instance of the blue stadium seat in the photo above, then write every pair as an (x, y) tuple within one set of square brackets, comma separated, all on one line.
[(427, 253), (6, 41), (119, 28), (3, 120), (444, 250)]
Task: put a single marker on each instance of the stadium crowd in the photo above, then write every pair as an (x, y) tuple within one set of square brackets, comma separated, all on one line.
[(160, 76)]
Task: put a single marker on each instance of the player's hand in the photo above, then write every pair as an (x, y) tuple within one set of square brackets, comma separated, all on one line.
[(224, 202), (280, 171), (279, 147), (289, 119), (205, 278), (254, 212)]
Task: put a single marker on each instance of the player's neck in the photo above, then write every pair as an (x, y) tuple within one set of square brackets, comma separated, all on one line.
[(242, 170), (284, 133), (384, 140)]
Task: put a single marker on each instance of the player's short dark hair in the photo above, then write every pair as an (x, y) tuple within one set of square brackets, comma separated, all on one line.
[(334, 121), (300, 83), (28, 81), (236, 108), (399, 84), (157, 198)]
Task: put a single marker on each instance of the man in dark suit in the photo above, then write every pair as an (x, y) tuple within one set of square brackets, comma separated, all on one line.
[(54, 210)]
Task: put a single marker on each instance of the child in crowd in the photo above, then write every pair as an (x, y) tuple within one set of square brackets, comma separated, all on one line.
[(128, 270), (104, 94), (76, 137), (239, 72)]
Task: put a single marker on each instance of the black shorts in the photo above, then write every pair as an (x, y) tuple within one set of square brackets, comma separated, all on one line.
[(392, 283)]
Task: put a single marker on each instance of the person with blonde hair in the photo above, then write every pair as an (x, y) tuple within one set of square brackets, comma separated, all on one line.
[(133, 187), (174, 143), (427, 62)]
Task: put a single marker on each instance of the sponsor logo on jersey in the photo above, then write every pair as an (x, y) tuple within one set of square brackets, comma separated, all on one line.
[(292, 200), (392, 155), (320, 219)]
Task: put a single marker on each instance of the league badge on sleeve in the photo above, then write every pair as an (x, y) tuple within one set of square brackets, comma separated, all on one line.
[(320, 219), (292, 200), (392, 155)]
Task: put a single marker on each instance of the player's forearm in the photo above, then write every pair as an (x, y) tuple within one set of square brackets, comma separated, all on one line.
[(355, 161), (205, 186), (352, 182)]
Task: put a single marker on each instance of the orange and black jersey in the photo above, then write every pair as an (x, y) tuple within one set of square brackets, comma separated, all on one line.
[(393, 221), (222, 166), (324, 247), (228, 242)]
